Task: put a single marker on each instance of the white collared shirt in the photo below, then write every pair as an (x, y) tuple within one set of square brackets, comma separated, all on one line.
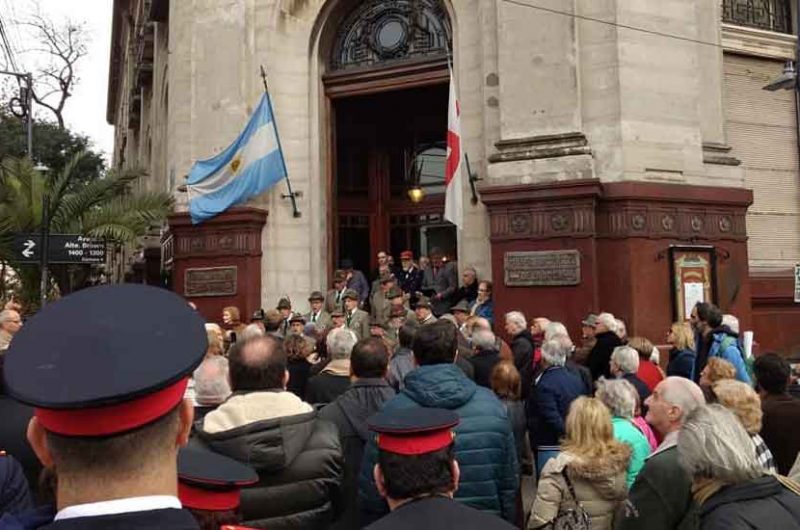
[(117, 506)]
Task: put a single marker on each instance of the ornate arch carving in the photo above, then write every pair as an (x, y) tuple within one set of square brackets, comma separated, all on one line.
[(377, 31)]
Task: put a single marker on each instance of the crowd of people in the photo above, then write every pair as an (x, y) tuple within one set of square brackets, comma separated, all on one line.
[(387, 404)]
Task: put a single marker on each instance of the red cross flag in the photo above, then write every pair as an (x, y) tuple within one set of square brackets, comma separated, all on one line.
[(453, 203)]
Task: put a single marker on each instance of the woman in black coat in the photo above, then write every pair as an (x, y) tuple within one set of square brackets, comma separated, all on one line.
[(730, 487), (682, 355)]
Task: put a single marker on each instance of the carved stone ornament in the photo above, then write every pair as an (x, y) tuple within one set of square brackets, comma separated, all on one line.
[(725, 224), (696, 223), (559, 222), (638, 221), (668, 223), (520, 223)]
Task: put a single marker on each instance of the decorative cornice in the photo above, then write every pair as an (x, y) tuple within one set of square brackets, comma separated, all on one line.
[(581, 209), (236, 232), (714, 153), (758, 42), (546, 146)]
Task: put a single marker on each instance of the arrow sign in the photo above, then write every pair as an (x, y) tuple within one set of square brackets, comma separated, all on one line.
[(28, 251), (64, 248)]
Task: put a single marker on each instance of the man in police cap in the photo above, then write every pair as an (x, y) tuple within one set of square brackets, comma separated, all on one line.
[(109, 415), (417, 472)]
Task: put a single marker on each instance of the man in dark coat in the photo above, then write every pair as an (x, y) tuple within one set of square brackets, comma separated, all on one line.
[(418, 475), (485, 356), (440, 282), (410, 276), (116, 436), (781, 411), (605, 342), (355, 280), (484, 443), (662, 492), (349, 413), (468, 292), (402, 362), (298, 457), (15, 417), (522, 346)]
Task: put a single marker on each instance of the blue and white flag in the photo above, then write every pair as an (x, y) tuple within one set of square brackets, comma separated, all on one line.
[(248, 167)]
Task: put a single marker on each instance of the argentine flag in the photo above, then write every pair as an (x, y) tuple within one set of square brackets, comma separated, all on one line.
[(248, 167)]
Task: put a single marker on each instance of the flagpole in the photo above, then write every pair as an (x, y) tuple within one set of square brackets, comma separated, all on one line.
[(291, 194)]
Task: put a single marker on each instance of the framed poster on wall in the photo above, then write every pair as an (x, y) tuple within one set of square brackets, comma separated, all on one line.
[(693, 275)]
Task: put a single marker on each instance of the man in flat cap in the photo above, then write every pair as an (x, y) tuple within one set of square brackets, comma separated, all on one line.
[(285, 309), (424, 311), (417, 472), (397, 304), (379, 301), (317, 315), (440, 281), (355, 280), (334, 299), (110, 415), (337, 319), (356, 319)]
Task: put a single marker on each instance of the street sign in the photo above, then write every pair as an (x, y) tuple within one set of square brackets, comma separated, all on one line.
[(64, 248)]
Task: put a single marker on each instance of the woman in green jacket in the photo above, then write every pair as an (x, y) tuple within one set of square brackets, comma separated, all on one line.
[(621, 397)]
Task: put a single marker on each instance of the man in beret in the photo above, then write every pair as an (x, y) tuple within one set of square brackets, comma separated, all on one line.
[(410, 279), (355, 319), (418, 475), (317, 315), (334, 299), (110, 415)]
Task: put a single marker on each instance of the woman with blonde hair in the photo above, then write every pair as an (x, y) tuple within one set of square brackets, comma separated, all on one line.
[(715, 370), (743, 401), (590, 471), (682, 355)]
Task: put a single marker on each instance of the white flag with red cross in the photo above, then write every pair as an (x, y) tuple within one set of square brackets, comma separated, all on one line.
[(453, 202)]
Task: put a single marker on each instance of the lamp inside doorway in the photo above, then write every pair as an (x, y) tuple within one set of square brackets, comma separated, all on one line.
[(416, 193)]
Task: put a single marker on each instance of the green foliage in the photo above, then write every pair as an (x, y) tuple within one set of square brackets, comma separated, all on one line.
[(103, 207), (52, 146)]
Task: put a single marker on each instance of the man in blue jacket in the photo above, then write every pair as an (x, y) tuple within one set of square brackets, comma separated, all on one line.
[(721, 341), (484, 442)]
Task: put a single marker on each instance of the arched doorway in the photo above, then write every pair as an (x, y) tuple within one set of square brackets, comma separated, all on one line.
[(387, 86)]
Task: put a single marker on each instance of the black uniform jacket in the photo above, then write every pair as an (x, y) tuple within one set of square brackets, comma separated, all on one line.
[(166, 519), (439, 512)]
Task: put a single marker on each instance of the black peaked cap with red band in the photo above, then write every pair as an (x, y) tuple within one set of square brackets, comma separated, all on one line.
[(413, 431), (210, 481), (105, 360)]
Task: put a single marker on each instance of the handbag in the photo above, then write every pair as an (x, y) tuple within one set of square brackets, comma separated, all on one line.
[(571, 515)]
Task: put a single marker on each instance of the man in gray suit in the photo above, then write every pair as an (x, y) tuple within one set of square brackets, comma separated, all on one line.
[(318, 316), (379, 302), (442, 278), (355, 319), (334, 298), (423, 312)]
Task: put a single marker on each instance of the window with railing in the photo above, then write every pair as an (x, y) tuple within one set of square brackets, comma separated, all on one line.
[(770, 15)]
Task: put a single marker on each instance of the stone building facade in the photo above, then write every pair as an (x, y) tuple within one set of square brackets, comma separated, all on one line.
[(623, 132)]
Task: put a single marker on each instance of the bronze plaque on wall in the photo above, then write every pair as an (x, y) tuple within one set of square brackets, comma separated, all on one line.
[(211, 281), (542, 268)]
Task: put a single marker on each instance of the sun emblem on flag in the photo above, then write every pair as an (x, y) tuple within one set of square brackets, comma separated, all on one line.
[(235, 163)]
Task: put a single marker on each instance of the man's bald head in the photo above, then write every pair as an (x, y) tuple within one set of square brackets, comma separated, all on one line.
[(259, 364), (671, 402), (481, 323)]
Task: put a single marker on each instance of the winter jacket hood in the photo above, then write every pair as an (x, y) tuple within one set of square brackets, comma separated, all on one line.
[(268, 430), (439, 385), (607, 474)]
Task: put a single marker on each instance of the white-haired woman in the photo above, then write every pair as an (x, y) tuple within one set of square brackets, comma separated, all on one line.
[(606, 341), (624, 364), (729, 485), (621, 399)]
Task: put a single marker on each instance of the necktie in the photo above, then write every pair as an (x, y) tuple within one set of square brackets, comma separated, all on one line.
[(338, 296), (314, 318), (349, 317)]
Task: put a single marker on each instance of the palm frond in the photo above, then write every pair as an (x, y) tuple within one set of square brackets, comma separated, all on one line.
[(94, 193)]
